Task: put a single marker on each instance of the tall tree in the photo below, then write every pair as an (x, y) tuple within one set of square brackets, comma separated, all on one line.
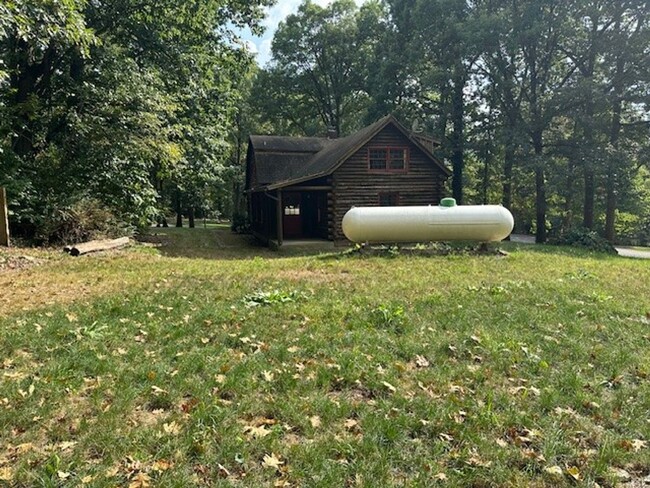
[(317, 66), (107, 98)]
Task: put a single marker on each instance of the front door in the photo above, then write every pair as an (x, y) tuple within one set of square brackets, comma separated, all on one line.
[(291, 218)]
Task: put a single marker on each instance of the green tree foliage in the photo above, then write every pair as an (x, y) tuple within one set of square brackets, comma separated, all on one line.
[(317, 77), (111, 99)]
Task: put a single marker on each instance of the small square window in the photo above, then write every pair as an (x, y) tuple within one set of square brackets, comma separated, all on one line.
[(291, 210), (388, 159), (397, 159), (377, 159), (389, 199)]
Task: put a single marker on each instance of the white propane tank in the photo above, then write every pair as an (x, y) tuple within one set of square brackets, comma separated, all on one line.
[(447, 222)]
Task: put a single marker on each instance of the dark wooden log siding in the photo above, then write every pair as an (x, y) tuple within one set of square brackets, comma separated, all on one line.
[(264, 221), (353, 185)]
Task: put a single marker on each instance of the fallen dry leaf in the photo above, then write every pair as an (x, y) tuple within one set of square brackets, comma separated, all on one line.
[(156, 390), (223, 471), (445, 437), (268, 375), (161, 465), (620, 475), (172, 428), (390, 387), (64, 446), (63, 475), (573, 472), (257, 432), (273, 461), (554, 471), (638, 444), (422, 362), (6, 474), (315, 421), (141, 480)]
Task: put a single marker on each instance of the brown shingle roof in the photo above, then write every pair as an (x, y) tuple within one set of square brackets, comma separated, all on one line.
[(284, 161)]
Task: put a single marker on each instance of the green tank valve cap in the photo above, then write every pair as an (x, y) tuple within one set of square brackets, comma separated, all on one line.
[(448, 202)]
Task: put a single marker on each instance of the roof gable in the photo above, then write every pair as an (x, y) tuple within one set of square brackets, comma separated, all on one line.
[(284, 161)]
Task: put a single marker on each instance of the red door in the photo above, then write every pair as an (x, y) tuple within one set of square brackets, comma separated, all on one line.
[(291, 215)]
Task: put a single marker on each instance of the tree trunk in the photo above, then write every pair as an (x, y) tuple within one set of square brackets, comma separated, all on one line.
[(610, 214), (190, 216), (540, 190), (508, 164), (457, 149), (588, 141), (590, 189), (4, 219), (179, 210), (487, 162), (615, 131), (567, 221), (540, 205)]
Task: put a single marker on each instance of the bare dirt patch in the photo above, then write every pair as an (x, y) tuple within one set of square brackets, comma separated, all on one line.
[(9, 262)]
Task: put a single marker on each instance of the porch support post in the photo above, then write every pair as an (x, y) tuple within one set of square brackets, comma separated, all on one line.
[(280, 213)]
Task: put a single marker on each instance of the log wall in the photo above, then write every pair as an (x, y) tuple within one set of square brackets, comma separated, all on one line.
[(354, 185)]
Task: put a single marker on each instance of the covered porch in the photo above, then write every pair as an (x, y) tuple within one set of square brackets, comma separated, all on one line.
[(294, 214)]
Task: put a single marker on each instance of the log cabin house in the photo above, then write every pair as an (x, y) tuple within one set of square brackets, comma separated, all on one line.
[(301, 187)]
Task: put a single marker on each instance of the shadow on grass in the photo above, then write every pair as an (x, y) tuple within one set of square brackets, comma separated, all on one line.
[(221, 243)]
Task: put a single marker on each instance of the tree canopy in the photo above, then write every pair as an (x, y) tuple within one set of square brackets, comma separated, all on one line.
[(116, 99), (541, 105)]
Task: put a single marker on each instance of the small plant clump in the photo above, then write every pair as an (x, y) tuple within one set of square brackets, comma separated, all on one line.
[(585, 238), (388, 317), (272, 297)]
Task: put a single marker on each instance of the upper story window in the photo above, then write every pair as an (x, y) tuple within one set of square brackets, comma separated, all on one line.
[(388, 159), (389, 199)]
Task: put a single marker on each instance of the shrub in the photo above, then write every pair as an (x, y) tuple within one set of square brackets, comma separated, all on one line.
[(388, 317), (589, 239), (632, 229), (83, 220), (240, 223)]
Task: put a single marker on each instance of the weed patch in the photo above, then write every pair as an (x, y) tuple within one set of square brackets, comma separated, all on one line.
[(273, 297)]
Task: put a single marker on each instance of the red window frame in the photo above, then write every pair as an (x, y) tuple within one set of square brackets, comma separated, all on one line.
[(388, 194), (388, 149)]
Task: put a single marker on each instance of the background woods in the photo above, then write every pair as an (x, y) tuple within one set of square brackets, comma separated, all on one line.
[(137, 109), (539, 105)]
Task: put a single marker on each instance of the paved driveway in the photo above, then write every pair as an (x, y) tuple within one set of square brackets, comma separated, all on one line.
[(627, 252)]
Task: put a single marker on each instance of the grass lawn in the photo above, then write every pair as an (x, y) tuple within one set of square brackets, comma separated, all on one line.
[(210, 362)]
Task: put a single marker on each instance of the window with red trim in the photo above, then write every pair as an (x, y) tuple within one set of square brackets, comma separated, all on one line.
[(388, 159), (389, 199)]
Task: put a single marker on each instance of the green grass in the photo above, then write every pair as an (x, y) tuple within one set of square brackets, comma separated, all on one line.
[(192, 363)]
